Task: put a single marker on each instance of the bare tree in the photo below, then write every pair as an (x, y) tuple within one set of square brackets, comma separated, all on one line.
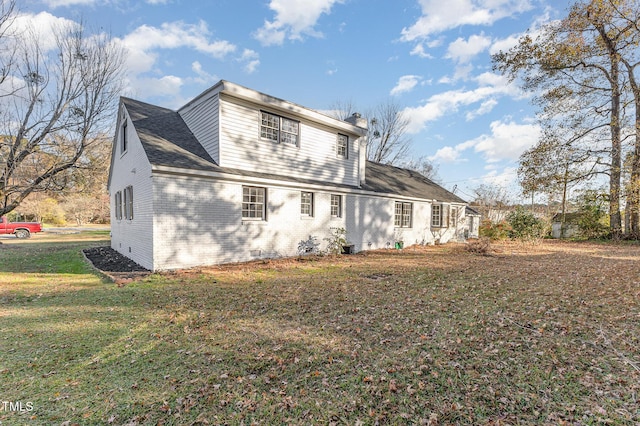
[(387, 139), (343, 109), (491, 201), (7, 18), (423, 166), (56, 105)]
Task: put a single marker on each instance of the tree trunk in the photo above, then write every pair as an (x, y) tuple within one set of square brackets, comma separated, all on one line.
[(615, 219)]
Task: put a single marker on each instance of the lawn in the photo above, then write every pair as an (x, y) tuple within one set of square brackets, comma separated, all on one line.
[(544, 334)]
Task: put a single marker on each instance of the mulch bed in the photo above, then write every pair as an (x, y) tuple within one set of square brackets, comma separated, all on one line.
[(113, 264)]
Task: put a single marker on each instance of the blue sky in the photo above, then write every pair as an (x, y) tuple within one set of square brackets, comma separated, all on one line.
[(431, 56)]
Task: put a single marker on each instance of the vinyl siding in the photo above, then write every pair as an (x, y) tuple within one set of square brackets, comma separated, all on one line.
[(314, 158), (133, 238), (203, 119)]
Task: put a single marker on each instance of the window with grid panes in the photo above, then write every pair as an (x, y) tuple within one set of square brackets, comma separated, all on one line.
[(253, 203), (336, 205), (403, 214), (119, 205), (128, 203), (342, 146), (279, 129), (306, 203), (436, 215)]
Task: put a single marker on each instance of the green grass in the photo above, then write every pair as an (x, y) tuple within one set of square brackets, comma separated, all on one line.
[(532, 335)]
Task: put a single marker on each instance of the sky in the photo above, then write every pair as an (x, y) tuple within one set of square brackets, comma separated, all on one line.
[(430, 57)]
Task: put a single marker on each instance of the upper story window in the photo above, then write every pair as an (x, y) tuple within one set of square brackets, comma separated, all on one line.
[(342, 146), (128, 203), (123, 139), (336, 205), (403, 214), (279, 129), (118, 202), (253, 203), (436, 215), (306, 203)]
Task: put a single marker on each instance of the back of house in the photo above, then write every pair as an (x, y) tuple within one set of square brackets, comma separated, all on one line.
[(237, 175)]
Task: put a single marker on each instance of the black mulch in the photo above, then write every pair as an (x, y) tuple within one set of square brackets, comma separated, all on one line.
[(108, 260)]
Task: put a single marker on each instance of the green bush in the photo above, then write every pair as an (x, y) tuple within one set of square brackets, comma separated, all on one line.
[(525, 225), (591, 222)]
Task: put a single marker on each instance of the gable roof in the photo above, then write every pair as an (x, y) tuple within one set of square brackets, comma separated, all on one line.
[(167, 141)]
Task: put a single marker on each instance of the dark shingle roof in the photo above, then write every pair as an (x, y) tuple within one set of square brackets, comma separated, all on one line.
[(396, 180), (166, 138), (168, 141)]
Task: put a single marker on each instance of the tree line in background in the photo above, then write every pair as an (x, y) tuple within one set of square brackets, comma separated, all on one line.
[(59, 90), (583, 72)]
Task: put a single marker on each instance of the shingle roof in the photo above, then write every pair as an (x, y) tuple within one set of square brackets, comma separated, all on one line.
[(396, 180), (168, 141), (166, 138)]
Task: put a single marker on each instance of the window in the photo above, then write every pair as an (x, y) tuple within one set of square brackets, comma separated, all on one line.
[(119, 205), (123, 146), (253, 202), (306, 203), (342, 146), (453, 217), (336, 205), (403, 215), (128, 203), (279, 129), (436, 215)]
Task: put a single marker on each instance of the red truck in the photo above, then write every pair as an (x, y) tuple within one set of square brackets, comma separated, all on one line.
[(20, 229)]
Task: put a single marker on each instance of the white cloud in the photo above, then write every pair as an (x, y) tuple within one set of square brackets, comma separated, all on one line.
[(406, 83), (463, 51), (52, 4), (485, 108), (43, 27), (418, 50), (251, 60), (293, 19), (507, 141), (451, 154), (204, 77), (447, 102), (173, 35), (168, 86), (438, 16), (145, 44)]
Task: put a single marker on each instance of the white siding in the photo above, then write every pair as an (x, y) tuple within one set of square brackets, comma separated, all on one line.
[(133, 238), (202, 119), (314, 158)]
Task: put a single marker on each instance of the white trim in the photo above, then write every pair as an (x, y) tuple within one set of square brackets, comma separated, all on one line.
[(253, 180), (276, 104)]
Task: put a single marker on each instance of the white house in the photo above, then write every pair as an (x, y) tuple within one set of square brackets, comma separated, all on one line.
[(236, 175)]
